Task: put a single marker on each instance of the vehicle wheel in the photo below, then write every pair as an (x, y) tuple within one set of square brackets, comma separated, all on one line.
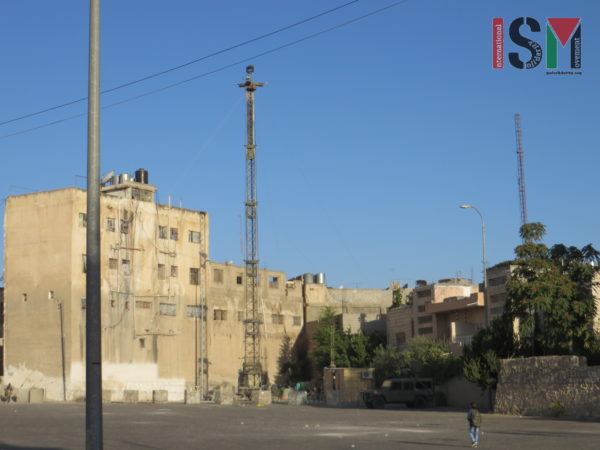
[(369, 405), (420, 402), (379, 402)]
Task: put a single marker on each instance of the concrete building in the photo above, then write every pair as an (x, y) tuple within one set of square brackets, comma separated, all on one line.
[(172, 320), (451, 309), (497, 277)]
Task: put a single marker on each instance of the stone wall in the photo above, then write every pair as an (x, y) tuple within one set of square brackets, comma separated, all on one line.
[(530, 386)]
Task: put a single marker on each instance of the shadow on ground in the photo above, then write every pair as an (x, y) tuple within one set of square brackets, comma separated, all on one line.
[(4, 446)]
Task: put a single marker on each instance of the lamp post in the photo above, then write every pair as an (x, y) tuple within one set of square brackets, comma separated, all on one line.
[(485, 283)]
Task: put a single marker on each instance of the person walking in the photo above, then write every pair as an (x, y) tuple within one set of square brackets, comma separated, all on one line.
[(474, 419)]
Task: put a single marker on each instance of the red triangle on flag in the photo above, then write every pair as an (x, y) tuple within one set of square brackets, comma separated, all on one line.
[(563, 28)]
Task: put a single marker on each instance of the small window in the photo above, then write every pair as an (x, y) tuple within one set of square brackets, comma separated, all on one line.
[(83, 220), (194, 236), (193, 311), (220, 314), (424, 293), (24, 297), (423, 384), (162, 232), (425, 319), (50, 295), (240, 316), (113, 263), (239, 279), (273, 282), (408, 386), (277, 319), (83, 303), (400, 338), (110, 224), (161, 272), (143, 305), (297, 321), (84, 261), (498, 297), (142, 343), (421, 308), (174, 234), (124, 226), (194, 276), (174, 271), (428, 330), (218, 275), (125, 267), (167, 309)]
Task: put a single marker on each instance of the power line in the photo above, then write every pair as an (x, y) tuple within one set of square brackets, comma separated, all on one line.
[(211, 72), (180, 66)]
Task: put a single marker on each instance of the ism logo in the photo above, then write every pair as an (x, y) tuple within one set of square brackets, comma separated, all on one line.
[(563, 30)]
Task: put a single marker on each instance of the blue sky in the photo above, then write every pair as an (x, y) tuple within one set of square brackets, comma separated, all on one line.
[(369, 137)]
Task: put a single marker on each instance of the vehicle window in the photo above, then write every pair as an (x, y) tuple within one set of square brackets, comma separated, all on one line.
[(423, 384), (408, 385), (396, 386), (386, 384)]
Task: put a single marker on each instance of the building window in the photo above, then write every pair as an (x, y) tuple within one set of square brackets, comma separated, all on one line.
[(162, 232), (113, 263), (84, 262), (142, 343), (239, 279), (428, 330), (297, 321), (194, 276), (240, 316), (174, 271), (277, 319), (218, 275), (110, 224), (424, 319), (401, 338), (125, 267), (424, 293), (497, 281), (167, 309), (496, 311), (83, 303), (174, 234), (421, 308), (83, 220), (219, 314), (124, 226), (193, 311), (273, 282), (498, 297), (50, 295), (143, 305), (194, 236), (161, 271), (24, 297)]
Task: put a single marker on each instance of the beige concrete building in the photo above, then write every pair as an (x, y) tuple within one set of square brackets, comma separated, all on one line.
[(497, 277), (171, 319), (451, 309)]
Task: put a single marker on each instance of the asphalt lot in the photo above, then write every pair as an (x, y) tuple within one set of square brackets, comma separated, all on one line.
[(208, 426)]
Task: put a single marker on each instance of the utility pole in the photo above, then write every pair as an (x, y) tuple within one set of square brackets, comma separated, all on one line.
[(252, 367), (93, 338)]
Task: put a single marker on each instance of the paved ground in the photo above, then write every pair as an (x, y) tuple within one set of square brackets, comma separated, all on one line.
[(281, 427)]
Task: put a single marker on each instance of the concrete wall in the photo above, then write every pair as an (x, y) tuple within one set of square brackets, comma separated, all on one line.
[(342, 386), (529, 386)]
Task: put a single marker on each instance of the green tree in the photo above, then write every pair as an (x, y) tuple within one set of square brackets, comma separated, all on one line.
[(422, 358), (551, 293), (331, 342)]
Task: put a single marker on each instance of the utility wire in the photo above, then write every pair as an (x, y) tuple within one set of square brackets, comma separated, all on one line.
[(211, 72), (189, 63)]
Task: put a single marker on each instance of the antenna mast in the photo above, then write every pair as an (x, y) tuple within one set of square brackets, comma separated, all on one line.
[(252, 367), (520, 170)]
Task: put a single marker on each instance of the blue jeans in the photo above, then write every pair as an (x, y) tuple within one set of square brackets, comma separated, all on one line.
[(474, 433)]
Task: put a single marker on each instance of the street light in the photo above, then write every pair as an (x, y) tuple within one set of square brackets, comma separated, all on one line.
[(485, 283)]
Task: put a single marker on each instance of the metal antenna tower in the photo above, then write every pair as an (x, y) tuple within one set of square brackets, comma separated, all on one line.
[(520, 170), (252, 367)]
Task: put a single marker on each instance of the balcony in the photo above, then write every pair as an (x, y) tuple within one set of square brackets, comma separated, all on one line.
[(475, 300)]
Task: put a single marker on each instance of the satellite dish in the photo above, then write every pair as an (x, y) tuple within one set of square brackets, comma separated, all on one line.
[(106, 178)]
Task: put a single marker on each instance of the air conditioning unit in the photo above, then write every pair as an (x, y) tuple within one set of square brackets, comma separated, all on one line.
[(366, 374)]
